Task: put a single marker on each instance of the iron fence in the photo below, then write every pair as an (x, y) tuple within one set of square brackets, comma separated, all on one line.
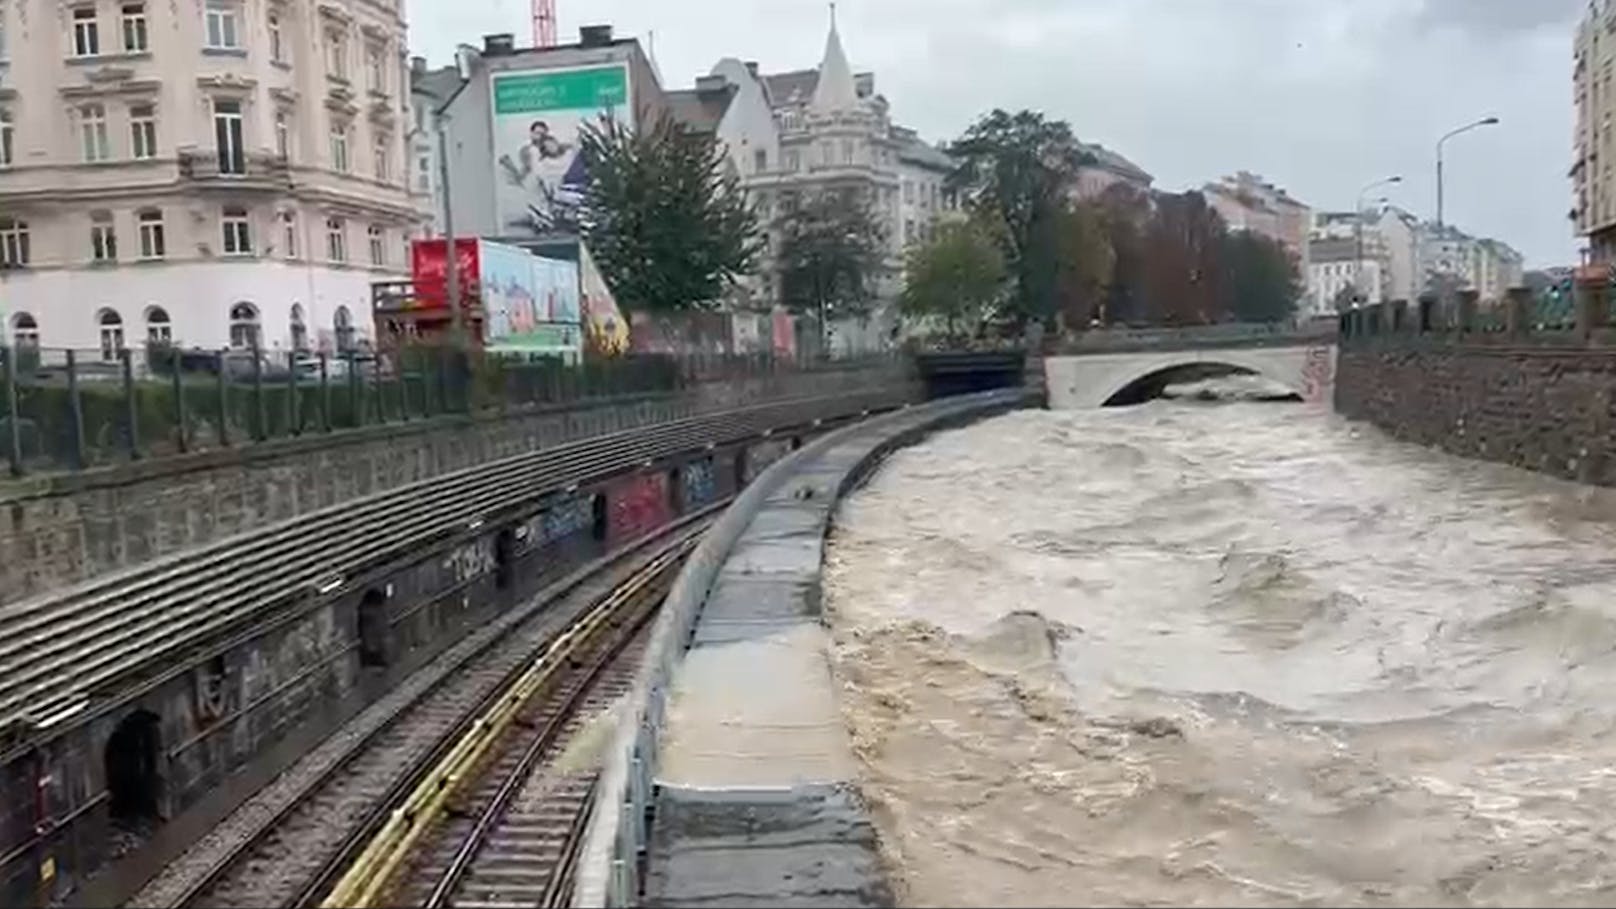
[(66, 409)]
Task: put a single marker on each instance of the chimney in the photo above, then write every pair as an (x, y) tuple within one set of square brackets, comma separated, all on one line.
[(595, 35), (709, 84), (752, 67), (417, 66), (500, 45)]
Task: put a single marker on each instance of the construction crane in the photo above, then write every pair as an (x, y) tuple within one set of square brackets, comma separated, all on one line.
[(544, 23)]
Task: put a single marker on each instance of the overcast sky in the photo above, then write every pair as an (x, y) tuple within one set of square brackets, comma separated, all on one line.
[(1319, 96)]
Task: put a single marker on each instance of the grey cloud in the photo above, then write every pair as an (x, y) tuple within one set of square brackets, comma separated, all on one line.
[(1496, 18)]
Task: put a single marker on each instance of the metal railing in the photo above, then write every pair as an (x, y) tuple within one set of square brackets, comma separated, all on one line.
[(68, 410)]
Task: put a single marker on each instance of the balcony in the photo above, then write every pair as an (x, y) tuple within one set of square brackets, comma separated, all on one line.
[(254, 171)]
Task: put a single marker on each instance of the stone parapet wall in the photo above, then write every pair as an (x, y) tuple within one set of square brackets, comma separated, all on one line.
[(60, 530)]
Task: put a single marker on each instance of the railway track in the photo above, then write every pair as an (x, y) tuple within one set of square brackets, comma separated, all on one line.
[(62, 653), (288, 846), (506, 824)]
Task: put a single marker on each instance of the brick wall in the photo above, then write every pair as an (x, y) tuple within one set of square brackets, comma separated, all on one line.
[(1543, 406), (56, 531)]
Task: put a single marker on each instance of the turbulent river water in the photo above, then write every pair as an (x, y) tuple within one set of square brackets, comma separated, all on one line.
[(1228, 653)]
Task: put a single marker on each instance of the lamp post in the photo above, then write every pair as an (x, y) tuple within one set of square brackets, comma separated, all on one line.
[(451, 261), (1358, 212), (1487, 121)]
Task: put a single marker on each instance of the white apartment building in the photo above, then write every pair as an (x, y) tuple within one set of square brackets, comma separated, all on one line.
[(1489, 267), (1337, 270), (206, 173), (1593, 142), (1390, 238)]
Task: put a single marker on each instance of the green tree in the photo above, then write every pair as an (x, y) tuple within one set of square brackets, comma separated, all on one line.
[(1259, 282), (831, 256), (1015, 169), (956, 277), (1085, 265), (664, 215)]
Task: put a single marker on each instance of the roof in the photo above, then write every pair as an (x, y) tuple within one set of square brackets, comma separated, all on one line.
[(1334, 249), (836, 90), (915, 151), (798, 86), (700, 111), (437, 83), (1110, 160)]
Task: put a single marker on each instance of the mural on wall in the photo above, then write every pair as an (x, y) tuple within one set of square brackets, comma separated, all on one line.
[(538, 116)]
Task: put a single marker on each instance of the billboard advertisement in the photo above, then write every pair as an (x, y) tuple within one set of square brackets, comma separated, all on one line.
[(429, 271), (538, 114), (532, 303), (603, 319)]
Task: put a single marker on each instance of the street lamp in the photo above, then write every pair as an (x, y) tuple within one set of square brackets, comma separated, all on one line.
[(1358, 212), (451, 261), (1488, 121)]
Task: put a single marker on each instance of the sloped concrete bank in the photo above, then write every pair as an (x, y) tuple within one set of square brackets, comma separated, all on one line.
[(731, 780)]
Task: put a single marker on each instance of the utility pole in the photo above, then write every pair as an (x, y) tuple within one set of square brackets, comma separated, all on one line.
[(451, 258)]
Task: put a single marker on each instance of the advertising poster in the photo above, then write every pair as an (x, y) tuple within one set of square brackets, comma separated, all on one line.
[(604, 320), (539, 173), (532, 303)]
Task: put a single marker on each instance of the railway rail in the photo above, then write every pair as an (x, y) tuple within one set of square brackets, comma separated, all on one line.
[(533, 675), (62, 654)]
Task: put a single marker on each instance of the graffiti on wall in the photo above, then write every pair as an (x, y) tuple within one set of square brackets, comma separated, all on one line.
[(1318, 375), (639, 505), (698, 482)]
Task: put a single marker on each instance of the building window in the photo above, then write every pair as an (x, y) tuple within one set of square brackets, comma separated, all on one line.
[(13, 242), (289, 234), (2, 31), (300, 329), (283, 134), (6, 138), (134, 27), (793, 160), (378, 252), (339, 147), (103, 238), (93, 132), (24, 330), (237, 233), (143, 131), (111, 334), (275, 51), (336, 240), (159, 330), (381, 150), (423, 174), (224, 32), (244, 327), (227, 137), (847, 151), (151, 234), (343, 323), (760, 160), (375, 79), (86, 34), (908, 193), (336, 52)]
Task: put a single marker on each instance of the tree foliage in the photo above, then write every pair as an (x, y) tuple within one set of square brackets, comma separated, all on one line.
[(831, 255), (1085, 264), (1260, 282), (664, 215), (957, 277), (1184, 245), (1014, 169)]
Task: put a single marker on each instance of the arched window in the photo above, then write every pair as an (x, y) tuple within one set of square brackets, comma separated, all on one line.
[(300, 329), (24, 330), (244, 329), (343, 323), (159, 330), (111, 333)]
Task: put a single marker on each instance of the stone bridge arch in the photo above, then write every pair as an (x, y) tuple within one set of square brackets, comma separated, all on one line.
[(1093, 380)]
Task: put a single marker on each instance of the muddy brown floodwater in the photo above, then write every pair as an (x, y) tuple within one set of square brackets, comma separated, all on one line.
[(1228, 653)]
